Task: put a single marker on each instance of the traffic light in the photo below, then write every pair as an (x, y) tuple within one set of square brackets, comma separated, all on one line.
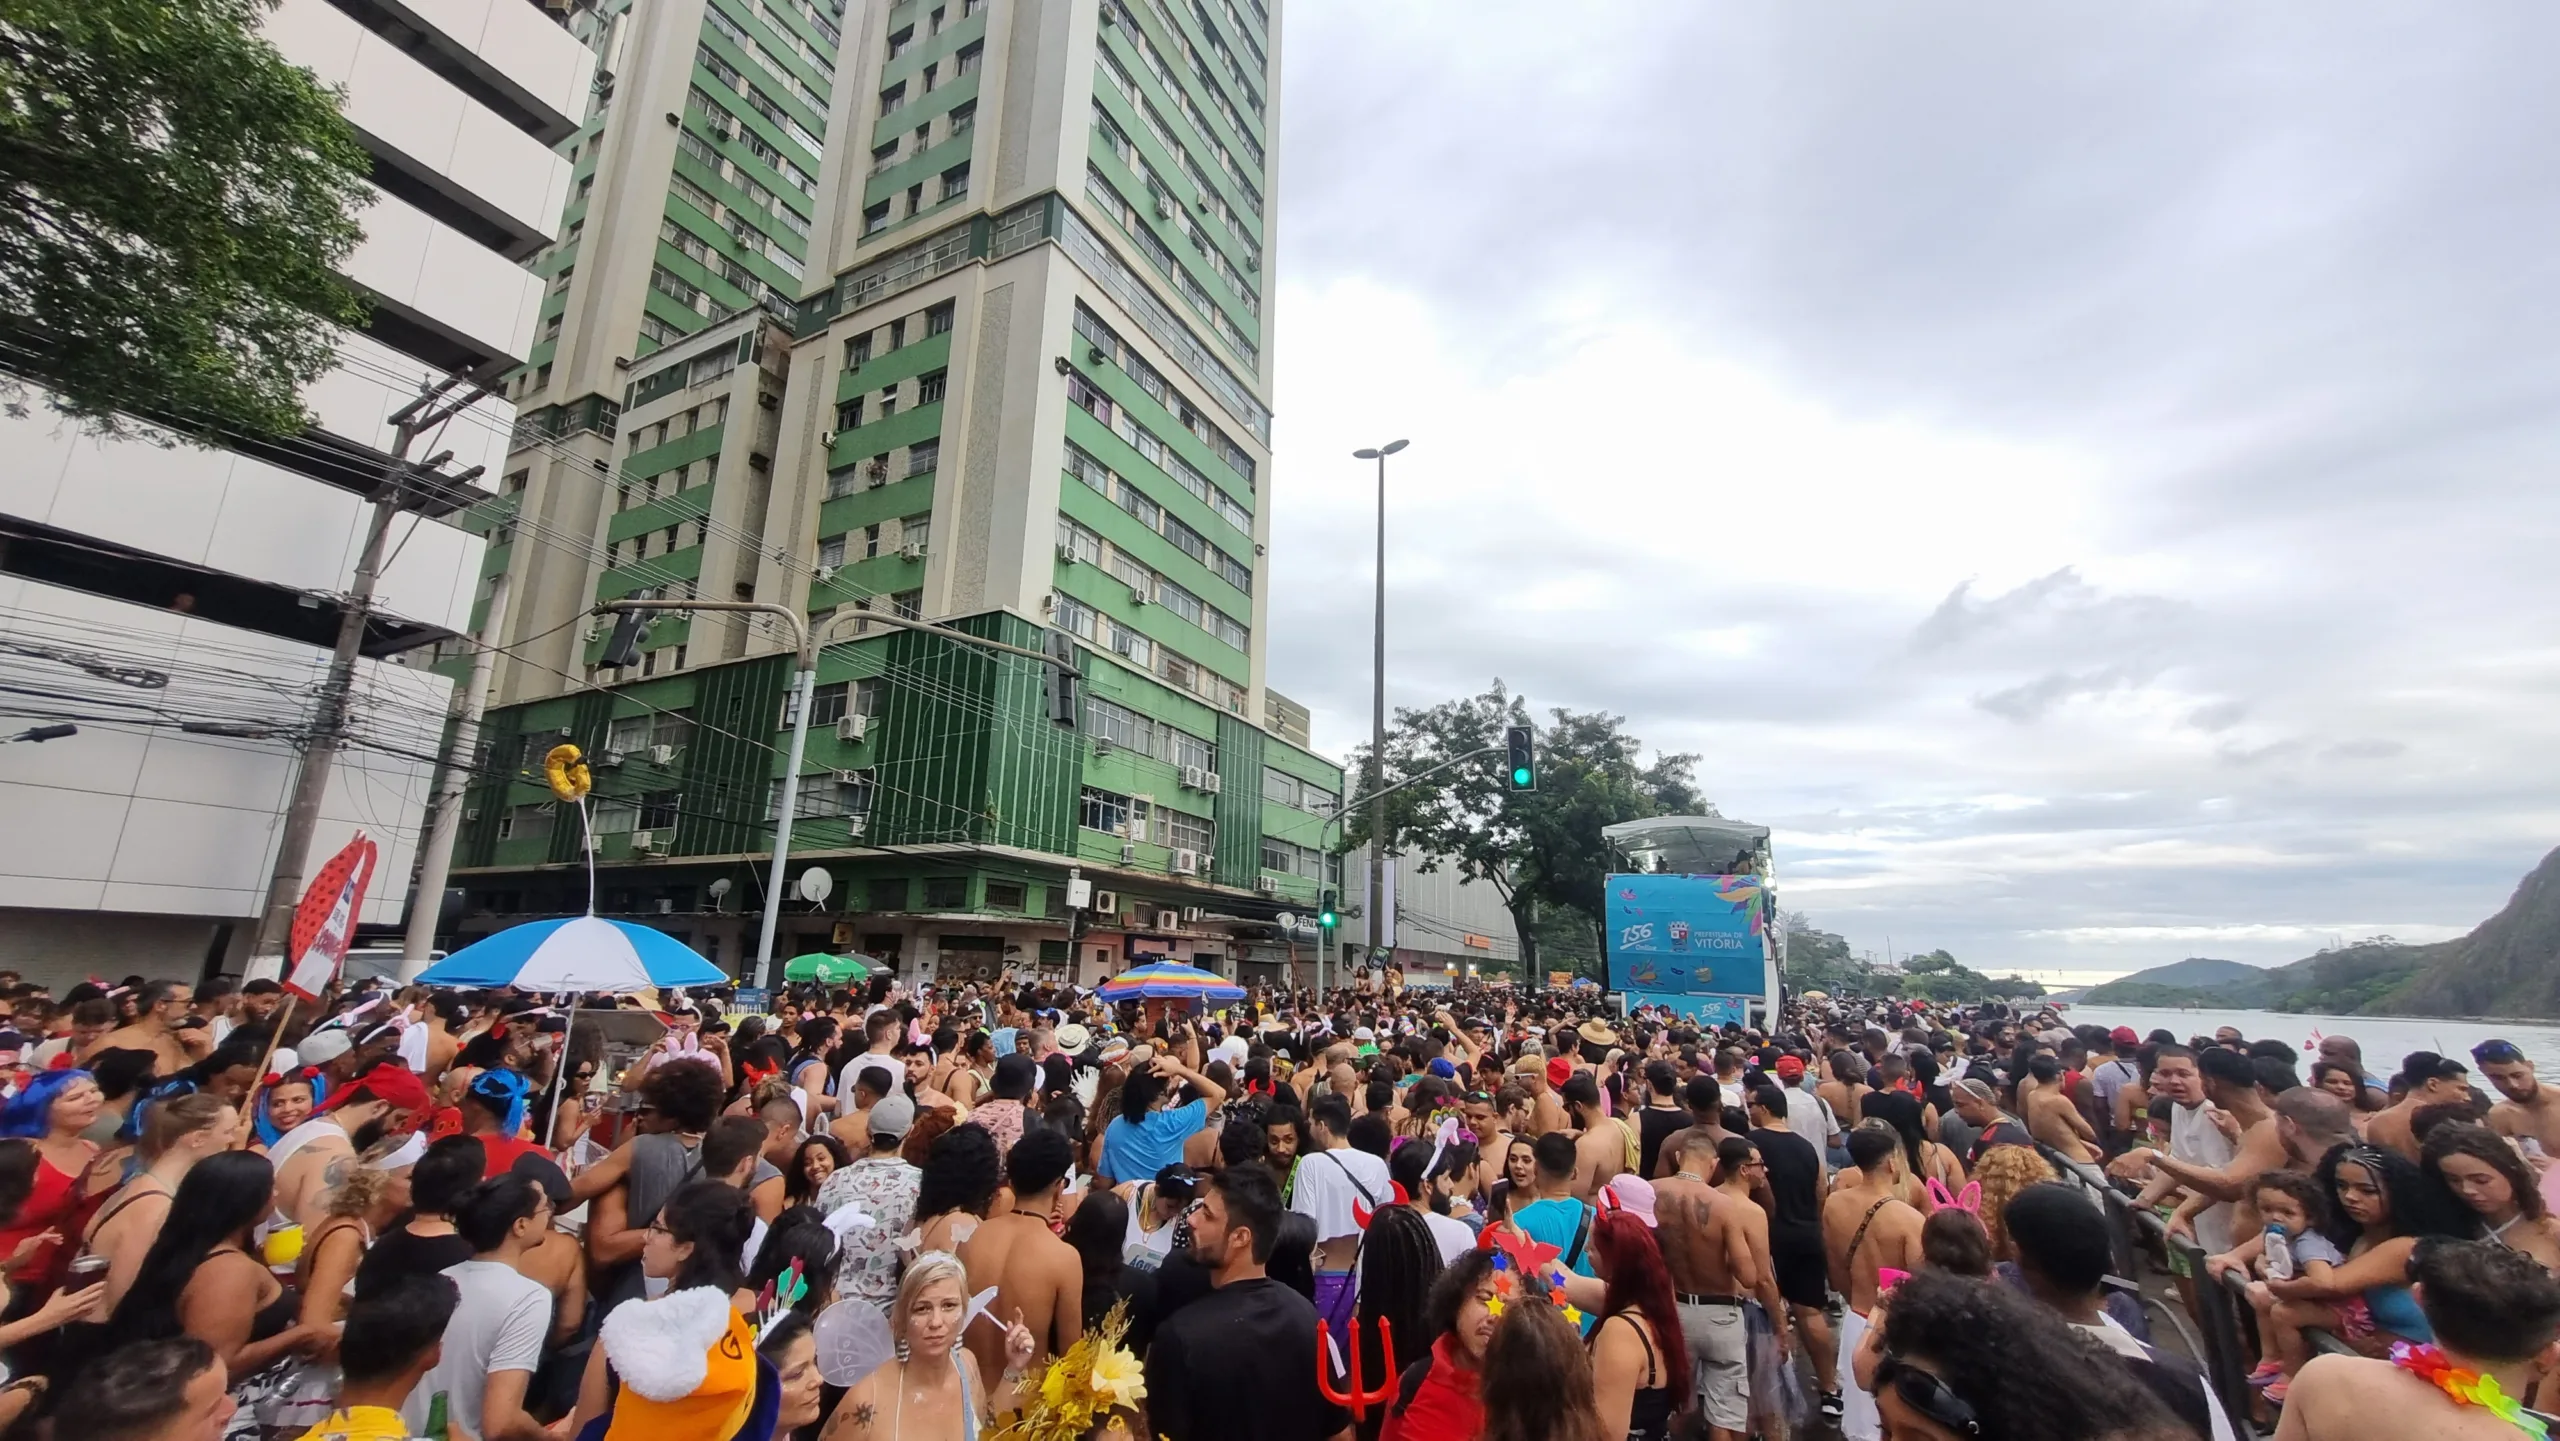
[(1328, 910), (630, 627), (1058, 682), (1522, 743)]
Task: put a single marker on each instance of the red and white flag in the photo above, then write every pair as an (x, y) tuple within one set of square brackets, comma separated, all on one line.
[(325, 922)]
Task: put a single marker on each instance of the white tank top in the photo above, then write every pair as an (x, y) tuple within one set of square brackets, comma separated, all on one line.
[(1140, 1248)]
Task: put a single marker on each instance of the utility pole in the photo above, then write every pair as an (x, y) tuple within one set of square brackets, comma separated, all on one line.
[(1378, 716), (444, 813), (402, 481)]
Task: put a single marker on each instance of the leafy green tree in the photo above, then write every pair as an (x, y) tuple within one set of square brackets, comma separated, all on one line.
[(1540, 848), (178, 201)]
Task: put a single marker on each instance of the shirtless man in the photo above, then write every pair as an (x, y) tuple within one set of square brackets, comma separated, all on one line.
[(165, 1004), (1865, 1227), (1741, 1175), (385, 1099), (2494, 1312), (2050, 1115), (2527, 1109), (1706, 1246), (2432, 1080), (1706, 1117), (1600, 1143), (1039, 1279), (2230, 1082)]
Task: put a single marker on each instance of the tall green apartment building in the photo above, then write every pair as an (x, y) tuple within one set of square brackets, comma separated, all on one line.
[(1024, 388)]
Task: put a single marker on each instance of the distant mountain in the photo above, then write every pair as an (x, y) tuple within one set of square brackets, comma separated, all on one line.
[(2196, 980), (2508, 966)]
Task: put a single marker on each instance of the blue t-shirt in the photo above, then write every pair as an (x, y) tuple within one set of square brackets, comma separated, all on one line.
[(1136, 1150), (1555, 1223)]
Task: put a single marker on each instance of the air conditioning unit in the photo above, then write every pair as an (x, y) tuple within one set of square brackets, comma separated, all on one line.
[(472, 814), (1186, 863), (567, 732), (1194, 778), (1209, 782), (912, 550), (852, 727), (856, 825), (1253, 262), (1164, 208), (1268, 885), (1106, 903), (1066, 552), (643, 842), (1128, 852), (1167, 920), (666, 907), (661, 755), (1191, 915), (1138, 595), (1096, 354), (608, 760), (823, 575)]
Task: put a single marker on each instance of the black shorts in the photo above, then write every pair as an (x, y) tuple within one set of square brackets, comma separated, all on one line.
[(1804, 1276)]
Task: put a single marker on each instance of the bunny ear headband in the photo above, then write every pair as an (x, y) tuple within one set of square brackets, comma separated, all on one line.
[(1969, 1199)]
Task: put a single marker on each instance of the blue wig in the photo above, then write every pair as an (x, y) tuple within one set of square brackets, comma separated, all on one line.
[(504, 1091), (24, 1114)]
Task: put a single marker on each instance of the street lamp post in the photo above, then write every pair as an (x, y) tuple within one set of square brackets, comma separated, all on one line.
[(1378, 718)]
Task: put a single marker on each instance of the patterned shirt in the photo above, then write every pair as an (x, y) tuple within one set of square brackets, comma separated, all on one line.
[(867, 1262)]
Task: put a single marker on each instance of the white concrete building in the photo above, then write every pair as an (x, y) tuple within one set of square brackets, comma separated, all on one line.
[(146, 593), (1442, 927)]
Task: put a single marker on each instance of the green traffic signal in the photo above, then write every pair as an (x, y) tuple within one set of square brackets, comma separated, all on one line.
[(1522, 743), (1327, 915), (1520, 776)]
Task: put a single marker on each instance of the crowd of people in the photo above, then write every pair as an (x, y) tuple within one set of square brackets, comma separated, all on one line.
[(1423, 1215)]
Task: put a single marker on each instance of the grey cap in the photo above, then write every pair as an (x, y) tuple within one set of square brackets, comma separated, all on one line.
[(894, 1116), (322, 1047)]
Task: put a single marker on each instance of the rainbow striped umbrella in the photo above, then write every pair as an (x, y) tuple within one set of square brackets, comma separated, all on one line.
[(1170, 981)]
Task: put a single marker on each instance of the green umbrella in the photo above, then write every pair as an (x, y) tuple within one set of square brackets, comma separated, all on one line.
[(826, 969)]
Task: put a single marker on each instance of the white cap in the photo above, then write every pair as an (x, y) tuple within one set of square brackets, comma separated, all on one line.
[(1364, 1034)]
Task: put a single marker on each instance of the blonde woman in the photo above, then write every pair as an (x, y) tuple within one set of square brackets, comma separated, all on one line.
[(2004, 1171), (180, 1132), (933, 1391)]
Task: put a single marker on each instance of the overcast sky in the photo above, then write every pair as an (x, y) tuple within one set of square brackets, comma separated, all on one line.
[(2082, 473)]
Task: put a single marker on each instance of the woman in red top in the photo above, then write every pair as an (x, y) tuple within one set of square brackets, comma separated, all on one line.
[(52, 1111), (1436, 1398)]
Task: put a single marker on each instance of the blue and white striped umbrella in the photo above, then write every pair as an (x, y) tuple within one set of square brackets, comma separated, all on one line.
[(583, 953)]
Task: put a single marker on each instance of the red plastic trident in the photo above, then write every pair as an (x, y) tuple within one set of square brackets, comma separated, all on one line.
[(1354, 1399)]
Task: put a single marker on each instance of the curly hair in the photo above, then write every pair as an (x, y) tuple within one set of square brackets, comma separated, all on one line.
[(917, 1148), (959, 1175), (2002, 1355), (2004, 1171)]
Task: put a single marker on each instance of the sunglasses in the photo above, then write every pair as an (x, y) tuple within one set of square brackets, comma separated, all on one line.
[(1927, 1393)]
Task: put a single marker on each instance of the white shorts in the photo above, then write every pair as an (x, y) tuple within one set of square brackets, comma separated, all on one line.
[(1859, 1419), (1720, 1361)]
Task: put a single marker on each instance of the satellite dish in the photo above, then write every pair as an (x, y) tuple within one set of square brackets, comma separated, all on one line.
[(719, 888), (816, 885), (1285, 921)]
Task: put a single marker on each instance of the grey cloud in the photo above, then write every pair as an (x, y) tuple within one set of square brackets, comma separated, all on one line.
[(2031, 701)]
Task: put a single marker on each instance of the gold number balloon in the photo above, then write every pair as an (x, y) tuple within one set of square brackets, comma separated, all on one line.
[(566, 772)]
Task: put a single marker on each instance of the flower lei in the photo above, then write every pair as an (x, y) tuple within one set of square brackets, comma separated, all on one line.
[(2468, 1388)]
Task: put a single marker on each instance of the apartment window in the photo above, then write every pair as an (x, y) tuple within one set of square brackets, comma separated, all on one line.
[(893, 97), (915, 198), (930, 73), (658, 810), (875, 218), (930, 388), (955, 183), (867, 696), (1183, 832), (871, 542), (937, 319), (964, 118), (966, 62), (527, 822), (857, 351), (946, 893), (916, 530), (888, 403), (849, 414), (827, 703), (934, 23), (884, 157), (907, 604), (897, 334), (900, 40), (1008, 896), (1084, 394), (923, 456), (1182, 748), (831, 551), (1103, 811), (1078, 542)]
